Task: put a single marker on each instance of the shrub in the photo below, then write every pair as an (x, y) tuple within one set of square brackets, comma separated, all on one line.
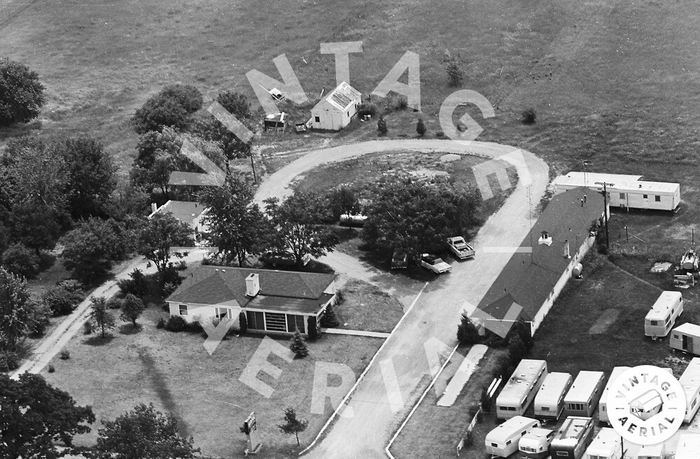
[(40, 315), (114, 303), (136, 284), (194, 327), (161, 323), (298, 346), (65, 355), (237, 104), (485, 399), (381, 126), (87, 328), (455, 74), (51, 369), (187, 96), (329, 319), (21, 260), (420, 127), (439, 134), (176, 324), (468, 439), (467, 333), (9, 361), (528, 116), (516, 348), (63, 298), (367, 109)]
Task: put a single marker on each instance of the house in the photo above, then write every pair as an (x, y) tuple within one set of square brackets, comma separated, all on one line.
[(625, 191), (274, 302), (336, 110), (540, 268), (189, 212)]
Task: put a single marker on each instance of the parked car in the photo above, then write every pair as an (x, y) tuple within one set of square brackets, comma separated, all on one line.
[(434, 264), (399, 259), (459, 248)]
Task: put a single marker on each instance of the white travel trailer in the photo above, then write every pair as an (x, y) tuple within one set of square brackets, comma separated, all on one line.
[(686, 338), (606, 445), (625, 191), (521, 388), (663, 314), (688, 446), (503, 440), (690, 380), (583, 397), (603, 407), (572, 438), (549, 401), (657, 451), (535, 444)]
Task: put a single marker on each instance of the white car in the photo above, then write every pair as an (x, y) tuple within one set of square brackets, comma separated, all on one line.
[(434, 264), (459, 248)]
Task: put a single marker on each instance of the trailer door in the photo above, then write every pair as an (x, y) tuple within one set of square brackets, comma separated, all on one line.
[(687, 343)]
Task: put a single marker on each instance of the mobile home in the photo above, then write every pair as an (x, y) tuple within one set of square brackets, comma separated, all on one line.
[(535, 444), (503, 440), (663, 314), (521, 388), (603, 408), (549, 401), (690, 380), (625, 191), (606, 445), (572, 438), (688, 446), (657, 451), (686, 338), (583, 397)]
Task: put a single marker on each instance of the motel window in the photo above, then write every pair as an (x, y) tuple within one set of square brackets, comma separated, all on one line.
[(645, 196), (183, 309), (622, 195), (657, 198), (255, 320), (317, 119)]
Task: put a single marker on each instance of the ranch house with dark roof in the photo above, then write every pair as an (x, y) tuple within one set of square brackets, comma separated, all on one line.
[(274, 302)]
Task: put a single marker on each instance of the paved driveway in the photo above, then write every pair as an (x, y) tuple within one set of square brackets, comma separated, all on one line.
[(401, 368)]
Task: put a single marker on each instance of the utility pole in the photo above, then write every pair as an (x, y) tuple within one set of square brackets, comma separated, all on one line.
[(605, 210)]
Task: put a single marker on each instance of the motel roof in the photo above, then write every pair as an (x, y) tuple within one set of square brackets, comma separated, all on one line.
[(279, 290), (529, 277)]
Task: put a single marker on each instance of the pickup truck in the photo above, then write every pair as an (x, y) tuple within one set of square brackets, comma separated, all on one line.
[(459, 248)]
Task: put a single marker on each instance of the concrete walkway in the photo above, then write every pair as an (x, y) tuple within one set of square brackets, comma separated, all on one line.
[(428, 331), (464, 372), (342, 331)]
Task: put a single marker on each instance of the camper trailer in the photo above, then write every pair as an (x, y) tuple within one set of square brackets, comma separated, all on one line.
[(606, 445), (549, 401), (603, 408), (688, 446), (657, 451), (535, 444), (585, 392), (503, 440), (690, 380), (521, 388), (663, 314), (686, 338), (572, 438)]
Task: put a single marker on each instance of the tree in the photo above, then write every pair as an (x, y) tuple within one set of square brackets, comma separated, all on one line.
[(159, 111), (91, 248), (343, 200), (236, 225), (293, 425), (186, 95), (417, 215), (144, 432), (18, 259), (297, 229), (329, 319), (467, 333), (516, 348), (63, 298), (420, 127), (298, 346), (16, 310), (158, 235), (21, 93), (91, 175), (35, 415), (235, 103), (100, 315), (529, 116), (455, 74), (381, 125), (132, 307)]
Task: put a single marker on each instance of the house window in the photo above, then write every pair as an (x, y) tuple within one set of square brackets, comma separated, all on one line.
[(295, 322), (657, 198), (275, 321), (317, 119), (622, 195), (223, 312), (645, 196), (255, 320), (183, 309)]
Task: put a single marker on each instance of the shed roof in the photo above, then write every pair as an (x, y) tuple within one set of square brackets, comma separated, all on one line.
[(343, 96), (184, 211)]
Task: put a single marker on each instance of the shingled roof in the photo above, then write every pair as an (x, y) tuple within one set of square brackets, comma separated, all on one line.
[(529, 278), (279, 290)]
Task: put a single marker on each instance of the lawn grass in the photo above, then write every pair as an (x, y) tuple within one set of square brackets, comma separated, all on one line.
[(175, 372), (366, 307)]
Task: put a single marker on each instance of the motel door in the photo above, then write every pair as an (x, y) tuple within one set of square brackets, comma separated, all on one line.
[(687, 342)]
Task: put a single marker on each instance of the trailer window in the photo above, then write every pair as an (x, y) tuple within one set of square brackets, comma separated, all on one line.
[(645, 196), (657, 198), (622, 195), (545, 408), (653, 322), (675, 336)]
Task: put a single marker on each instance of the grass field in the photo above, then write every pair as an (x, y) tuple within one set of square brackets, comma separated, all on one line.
[(175, 372), (366, 307)]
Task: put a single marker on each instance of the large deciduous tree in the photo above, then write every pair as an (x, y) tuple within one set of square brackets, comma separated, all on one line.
[(16, 310), (171, 107), (292, 424), (236, 226), (158, 235), (21, 93), (100, 315), (35, 415), (297, 229), (144, 432), (132, 307)]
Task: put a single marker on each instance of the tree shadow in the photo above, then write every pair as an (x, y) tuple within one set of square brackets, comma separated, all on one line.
[(129, 329), (98, 340)]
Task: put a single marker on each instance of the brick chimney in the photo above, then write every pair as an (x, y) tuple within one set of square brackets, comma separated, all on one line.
[(252, 284)]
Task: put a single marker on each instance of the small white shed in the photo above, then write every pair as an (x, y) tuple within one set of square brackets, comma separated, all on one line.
[(336, 110)]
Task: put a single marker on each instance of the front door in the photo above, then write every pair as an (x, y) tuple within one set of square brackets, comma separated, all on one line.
[(687, 343)]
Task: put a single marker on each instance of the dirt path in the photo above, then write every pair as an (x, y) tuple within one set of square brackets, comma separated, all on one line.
[(380, 399), (52, 344)]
